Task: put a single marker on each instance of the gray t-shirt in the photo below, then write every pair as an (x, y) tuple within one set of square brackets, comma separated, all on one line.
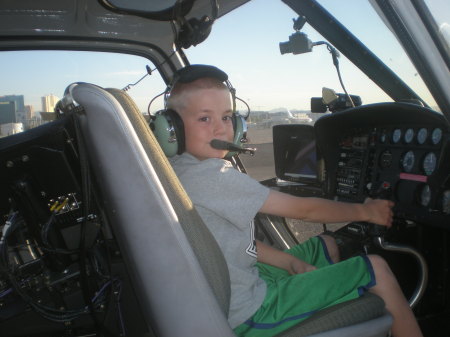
[(227, 201)]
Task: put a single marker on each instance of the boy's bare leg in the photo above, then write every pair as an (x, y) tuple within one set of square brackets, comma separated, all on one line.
[(388, 289), (333, 250)]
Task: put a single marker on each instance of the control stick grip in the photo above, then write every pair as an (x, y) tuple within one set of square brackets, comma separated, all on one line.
[(382, 190)]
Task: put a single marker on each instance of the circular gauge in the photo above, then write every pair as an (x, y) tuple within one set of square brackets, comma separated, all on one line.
[(425, 195), (409, 135), (386, 159), (429, 163), (407, 161), (436, 136), (422, 135), (446, 202), (396, 135)]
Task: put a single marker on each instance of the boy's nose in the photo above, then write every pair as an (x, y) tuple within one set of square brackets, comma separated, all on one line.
[(219, 127)]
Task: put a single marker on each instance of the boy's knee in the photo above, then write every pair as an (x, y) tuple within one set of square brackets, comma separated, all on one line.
[(377, 261), (380, 266)]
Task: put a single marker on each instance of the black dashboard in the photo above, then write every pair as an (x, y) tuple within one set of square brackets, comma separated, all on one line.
[(396, 151)]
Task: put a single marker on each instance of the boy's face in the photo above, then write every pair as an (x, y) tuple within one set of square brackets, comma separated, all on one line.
[(207, 116)]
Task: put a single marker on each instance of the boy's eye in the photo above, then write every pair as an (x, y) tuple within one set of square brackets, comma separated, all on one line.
[(204, 119), (227, 118)]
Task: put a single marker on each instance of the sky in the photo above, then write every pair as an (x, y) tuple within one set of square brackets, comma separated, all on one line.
[(244, 43), (304, 75)]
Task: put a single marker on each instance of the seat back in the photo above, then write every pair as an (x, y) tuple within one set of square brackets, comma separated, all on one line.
[(205, 247), (148, 210)]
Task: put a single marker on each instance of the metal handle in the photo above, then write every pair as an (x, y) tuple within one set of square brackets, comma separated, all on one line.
[(423, 280)]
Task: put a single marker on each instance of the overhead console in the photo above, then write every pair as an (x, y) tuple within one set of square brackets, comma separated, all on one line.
[(395, 151)]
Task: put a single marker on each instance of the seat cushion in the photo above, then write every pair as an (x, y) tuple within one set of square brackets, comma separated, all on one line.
[(365, 308)]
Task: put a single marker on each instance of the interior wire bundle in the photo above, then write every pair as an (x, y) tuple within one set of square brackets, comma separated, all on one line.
[(13, 222)]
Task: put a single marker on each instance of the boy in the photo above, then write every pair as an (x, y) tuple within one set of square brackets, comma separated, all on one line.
[(283, 288)]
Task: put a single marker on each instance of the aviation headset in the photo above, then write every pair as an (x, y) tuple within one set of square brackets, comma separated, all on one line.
[(167, 124)]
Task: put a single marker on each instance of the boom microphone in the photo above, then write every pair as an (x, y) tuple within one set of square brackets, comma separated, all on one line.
[(223, 145)]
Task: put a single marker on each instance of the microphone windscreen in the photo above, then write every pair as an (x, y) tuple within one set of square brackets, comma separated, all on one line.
[(222, 145)]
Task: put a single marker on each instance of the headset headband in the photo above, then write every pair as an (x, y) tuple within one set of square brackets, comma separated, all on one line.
[(194, 72)]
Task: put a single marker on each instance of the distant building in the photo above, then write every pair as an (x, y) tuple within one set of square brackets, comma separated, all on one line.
[(49, 102), (48, 116), (10, 129), (21, 117), (18, 99), (29, 112), (7, 112), (34, 122), (12, 108)]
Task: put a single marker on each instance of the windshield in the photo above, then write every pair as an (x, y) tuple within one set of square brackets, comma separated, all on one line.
[(34, 81), (270, 82)]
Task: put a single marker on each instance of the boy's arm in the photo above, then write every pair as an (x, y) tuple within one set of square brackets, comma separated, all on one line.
[(277, 258), (322, 210)]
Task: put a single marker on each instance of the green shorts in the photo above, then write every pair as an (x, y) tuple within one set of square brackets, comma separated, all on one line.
[(293, 298)]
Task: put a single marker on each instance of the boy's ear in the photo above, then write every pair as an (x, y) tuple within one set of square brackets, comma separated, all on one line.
[(168, 129)]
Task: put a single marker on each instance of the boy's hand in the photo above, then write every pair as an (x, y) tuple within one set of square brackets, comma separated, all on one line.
[(379, 211), (298, 266)]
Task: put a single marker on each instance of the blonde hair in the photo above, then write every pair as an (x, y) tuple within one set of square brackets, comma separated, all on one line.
[(177, 98)]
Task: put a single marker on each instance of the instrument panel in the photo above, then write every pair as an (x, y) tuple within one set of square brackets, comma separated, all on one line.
[(395, 151)]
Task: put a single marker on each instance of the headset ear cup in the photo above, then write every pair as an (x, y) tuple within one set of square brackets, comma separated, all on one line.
[(240, 129), (240, 132), (168, 128), (178, 126)]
